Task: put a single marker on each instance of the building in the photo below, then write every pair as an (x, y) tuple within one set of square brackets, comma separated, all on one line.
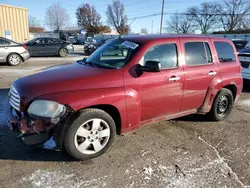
[(14, 23)]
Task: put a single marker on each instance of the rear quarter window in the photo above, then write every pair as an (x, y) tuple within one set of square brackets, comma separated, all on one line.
[(225, 52)]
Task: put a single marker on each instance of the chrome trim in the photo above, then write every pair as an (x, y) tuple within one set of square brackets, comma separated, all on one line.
[(14, 98)]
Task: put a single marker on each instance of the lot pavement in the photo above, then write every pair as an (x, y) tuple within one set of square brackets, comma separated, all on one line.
[(187, 152)]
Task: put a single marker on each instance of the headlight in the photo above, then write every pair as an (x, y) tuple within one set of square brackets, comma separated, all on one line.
[(47, 109)]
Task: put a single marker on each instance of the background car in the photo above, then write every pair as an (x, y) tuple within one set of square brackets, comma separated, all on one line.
[(89, 48), (244, 57), (241, 44), (12, 52), (49, 46)]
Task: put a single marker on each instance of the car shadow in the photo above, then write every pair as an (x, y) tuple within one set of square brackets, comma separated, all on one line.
[(3, 64), (12, 148)]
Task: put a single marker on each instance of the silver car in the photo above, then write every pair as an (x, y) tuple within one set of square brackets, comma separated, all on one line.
[(12, 52)]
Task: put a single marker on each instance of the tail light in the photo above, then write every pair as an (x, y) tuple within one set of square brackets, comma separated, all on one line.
[(25, 47)]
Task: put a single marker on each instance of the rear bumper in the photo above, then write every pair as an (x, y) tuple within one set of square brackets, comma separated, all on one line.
[(25, 55)]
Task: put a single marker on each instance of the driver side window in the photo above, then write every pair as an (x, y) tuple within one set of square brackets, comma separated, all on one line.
[(166, 54)]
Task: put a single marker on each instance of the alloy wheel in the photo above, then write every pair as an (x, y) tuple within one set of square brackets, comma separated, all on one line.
[(92, 136)]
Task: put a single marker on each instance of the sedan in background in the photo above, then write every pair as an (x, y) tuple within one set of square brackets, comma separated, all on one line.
[(49, 46), (241, 44), (244, 57), (12, 52)]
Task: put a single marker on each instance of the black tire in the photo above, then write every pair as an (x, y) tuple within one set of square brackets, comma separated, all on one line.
[(80, 119), (63, 52), (216, 114), (14, 59)]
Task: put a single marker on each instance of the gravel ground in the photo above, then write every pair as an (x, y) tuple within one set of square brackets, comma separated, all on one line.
[(186, 152)]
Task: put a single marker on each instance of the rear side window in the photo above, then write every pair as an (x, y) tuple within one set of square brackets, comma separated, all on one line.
[(198, 53), (225, 52), (166, 54), (2, 42)]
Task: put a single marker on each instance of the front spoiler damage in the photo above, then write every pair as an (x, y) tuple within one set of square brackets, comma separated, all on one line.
[(38, 131)]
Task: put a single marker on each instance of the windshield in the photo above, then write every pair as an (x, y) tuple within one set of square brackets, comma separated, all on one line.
[(114, 54), (239, 45)]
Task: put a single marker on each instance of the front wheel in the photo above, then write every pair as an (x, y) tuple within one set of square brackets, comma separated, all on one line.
[(222, 105), (90, 135)]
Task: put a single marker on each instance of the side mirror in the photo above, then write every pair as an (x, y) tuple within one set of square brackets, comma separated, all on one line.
[(150, 66), (33, 43)]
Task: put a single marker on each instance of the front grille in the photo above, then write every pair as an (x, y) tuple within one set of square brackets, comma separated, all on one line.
[(14, 98), (244, 64)]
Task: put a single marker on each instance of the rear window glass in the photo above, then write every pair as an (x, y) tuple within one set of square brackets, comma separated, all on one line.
[(225, 52), (198, 53)]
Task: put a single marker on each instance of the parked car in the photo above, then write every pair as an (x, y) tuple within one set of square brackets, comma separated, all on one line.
[(46, 46), (12, 52), (89, 48), (241, 44), (244, 57), (126, 83)]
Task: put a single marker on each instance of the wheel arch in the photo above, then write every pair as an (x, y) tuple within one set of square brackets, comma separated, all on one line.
[(232, 88), (14, 53)]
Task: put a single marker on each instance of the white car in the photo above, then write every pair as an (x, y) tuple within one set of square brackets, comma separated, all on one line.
[(244, 57)]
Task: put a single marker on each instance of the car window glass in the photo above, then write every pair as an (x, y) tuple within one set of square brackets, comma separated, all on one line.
[(53, 41), (166, 54), (2, 42), (197, 53), (40, 41), (225, 52)]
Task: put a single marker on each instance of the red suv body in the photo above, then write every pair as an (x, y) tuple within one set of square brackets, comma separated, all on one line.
[(127, 83)]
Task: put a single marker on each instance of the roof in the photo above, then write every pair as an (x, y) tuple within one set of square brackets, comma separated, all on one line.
[(3, 5), (147, 38)]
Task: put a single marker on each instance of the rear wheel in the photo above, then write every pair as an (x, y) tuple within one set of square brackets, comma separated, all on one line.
[(90, 135), (63, 52), (14, 59), (222, 105)]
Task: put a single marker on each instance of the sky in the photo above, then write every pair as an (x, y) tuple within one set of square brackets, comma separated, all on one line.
[(133, 9)]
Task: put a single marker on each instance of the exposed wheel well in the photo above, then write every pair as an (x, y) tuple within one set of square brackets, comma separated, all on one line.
[(113, 112), (232, 88)]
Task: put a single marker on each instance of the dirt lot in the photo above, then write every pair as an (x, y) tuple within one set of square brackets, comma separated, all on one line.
[(187, 152)]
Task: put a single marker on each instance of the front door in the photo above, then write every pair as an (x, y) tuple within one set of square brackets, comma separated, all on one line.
[(160, 92), (200, 70), (3, 49), (38, 47)]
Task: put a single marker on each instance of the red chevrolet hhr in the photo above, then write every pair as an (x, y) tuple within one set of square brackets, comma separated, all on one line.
[(126, 83)]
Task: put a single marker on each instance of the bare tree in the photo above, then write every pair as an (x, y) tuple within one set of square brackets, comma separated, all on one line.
[(181, 23), (144, 30), (89, 19), (33, 22), (56, 17), (205, 16), (233, 13), (116, 17)]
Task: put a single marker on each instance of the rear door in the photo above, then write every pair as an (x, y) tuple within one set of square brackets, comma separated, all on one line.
[(53, 46), (3, 50), (200, 69)]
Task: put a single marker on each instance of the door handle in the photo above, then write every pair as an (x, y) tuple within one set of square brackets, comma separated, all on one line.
[(174, 78), (212, 73)]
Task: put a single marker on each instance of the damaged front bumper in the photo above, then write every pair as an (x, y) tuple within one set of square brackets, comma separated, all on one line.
[(35, 130)]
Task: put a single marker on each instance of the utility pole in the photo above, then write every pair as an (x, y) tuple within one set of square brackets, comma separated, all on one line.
[(152, 27), (162, 12)]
